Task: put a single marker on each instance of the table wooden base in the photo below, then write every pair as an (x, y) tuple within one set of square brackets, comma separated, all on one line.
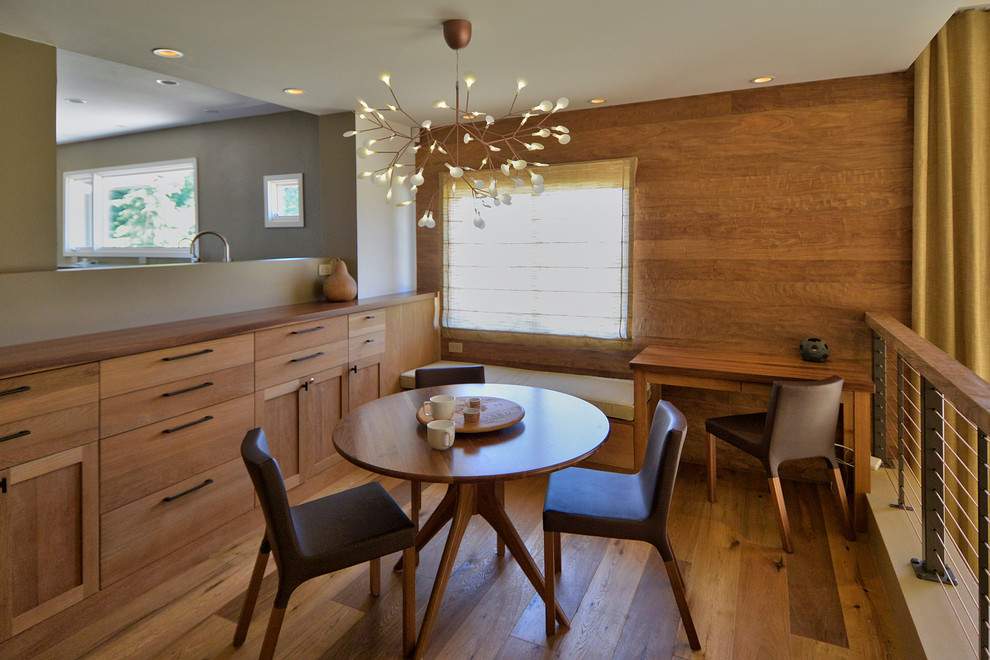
[(459, 503)]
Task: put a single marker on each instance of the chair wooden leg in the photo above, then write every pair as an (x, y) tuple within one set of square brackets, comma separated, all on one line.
[(840, 499), (677, 584), (711, 468), (500, 494), (271, 635), (375, 571), (415, 501), (557, 563), (785, 526), (409, 603), (548, 578), (251, 596)]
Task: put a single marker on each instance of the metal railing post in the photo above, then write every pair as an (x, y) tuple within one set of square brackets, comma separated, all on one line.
[(983, 516), (880, 399), (933, 566), (900, 438)]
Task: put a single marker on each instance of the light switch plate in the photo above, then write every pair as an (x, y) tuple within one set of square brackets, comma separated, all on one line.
[(455, 347), (324, 269)]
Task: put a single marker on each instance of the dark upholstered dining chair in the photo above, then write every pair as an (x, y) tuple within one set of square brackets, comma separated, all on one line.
[(432, 376), (801, 422), (322, 536), (622, 506)]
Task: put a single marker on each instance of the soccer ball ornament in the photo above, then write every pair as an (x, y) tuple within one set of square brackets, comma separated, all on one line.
[(814, 350)]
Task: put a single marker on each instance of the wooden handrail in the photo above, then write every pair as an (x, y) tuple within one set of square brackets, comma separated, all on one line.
[(969, 393)]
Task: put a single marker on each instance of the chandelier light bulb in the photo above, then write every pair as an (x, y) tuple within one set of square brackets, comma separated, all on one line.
[(519, 164), (479, 222), (545, 106), (369, 142), (561, 129), (520, 83), (505, 169), (350, 134), (364, 152), (426, 124), (562, 103), (537, 179), (563, 138), (440, 104), (417, 178), (430, 222), (542, 133), (506, 199), (385, 78), (365, 175), (467, 138), (489, 120), (455, 172), (469, 79)]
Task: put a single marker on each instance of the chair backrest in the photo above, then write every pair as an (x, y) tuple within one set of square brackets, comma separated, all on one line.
[(270, 487), (432, 376), (663, 455), (802, 420)]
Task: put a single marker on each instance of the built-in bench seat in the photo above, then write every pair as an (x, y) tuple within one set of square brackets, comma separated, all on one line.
[(613, 396)]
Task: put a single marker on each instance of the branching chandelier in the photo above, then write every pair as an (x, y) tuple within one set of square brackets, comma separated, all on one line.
[(504, 144)]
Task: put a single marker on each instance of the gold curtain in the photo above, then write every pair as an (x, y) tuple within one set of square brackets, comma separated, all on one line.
[(951, 288), (951, 292)]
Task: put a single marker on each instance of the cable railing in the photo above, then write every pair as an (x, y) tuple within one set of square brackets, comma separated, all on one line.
[(931, 416)]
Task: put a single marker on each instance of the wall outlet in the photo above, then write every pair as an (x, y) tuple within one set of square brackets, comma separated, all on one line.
[(324, 269), (455, 347)]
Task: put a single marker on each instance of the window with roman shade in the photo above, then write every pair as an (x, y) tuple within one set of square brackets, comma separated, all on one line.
[(555, 263)]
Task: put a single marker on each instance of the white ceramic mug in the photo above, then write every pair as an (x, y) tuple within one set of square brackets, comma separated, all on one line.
[(440, 433), (440, 406)]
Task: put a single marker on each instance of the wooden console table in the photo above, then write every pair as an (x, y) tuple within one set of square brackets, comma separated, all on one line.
[(705, 368)]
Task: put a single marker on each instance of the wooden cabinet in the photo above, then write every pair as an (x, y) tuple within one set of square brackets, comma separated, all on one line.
[(170, 419), (49, 507), (366, 354), (301, 393)]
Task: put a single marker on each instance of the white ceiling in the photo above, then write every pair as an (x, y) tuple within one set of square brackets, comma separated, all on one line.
[(623, 50)]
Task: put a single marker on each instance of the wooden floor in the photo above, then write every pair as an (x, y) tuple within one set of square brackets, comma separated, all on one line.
[(749, 599)]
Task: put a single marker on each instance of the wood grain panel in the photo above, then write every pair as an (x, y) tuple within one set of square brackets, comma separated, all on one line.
[(48, 391), (48, 434), (297, 336), (762, 217), (413, 341)]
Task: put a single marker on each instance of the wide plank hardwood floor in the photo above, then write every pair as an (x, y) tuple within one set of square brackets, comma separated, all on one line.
[(748, 597)]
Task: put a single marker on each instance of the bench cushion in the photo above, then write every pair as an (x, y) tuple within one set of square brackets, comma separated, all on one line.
[(613, 396)]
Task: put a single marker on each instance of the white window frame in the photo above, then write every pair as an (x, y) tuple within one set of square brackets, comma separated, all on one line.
[(272, 183), (462, 315), (98, 210)]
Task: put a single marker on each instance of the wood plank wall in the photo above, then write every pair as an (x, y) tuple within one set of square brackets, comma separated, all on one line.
[(761, 217)]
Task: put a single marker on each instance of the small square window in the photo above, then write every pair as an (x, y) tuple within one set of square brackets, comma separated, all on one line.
[(283, 200)]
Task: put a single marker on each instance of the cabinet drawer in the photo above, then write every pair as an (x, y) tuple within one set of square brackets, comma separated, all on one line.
[(366, 346), (136, 372), (27, 439), (283, 368), (150, 458), (298, 336), (135, 409), (366, 322), (147, 529), (47, 391)]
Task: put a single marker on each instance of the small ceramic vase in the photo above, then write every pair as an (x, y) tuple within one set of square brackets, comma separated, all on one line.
[(339, 285), (814, 350)]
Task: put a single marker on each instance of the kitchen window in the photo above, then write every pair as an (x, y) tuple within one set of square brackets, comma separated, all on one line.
[(551, 264), (142, 210)]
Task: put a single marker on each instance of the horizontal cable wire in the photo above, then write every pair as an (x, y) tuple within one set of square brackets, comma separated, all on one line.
[(965, 442), (964, 490), (960, 460), (962, 414)]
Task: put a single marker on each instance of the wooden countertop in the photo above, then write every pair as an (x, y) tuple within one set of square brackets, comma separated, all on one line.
[(66, 351)]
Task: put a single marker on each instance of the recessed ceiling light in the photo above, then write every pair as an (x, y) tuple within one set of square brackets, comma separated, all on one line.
[(76, 100), (294, 91), (468, 117), (212, 111), (597, 101), (170, 53), (761, 80), (167, 82)]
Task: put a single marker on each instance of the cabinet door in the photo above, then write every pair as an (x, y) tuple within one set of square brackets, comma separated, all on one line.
[(49, 517), (277, 412), (364, 381), (323, 404)]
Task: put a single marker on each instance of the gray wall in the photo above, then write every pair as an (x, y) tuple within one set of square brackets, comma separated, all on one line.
[(233, 157), (27, 155)]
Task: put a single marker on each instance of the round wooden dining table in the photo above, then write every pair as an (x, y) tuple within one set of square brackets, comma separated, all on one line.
[(557, 430)]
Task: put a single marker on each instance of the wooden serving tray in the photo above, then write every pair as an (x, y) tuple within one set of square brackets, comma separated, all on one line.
[(495, 414)]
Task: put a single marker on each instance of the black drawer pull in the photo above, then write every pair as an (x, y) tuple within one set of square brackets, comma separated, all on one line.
[(19, 434), (188, 389), (302, 332), (188, 355), (172, 498), (185, 426), (308, 357), (369, 317), (16, 390), (369, 341)]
